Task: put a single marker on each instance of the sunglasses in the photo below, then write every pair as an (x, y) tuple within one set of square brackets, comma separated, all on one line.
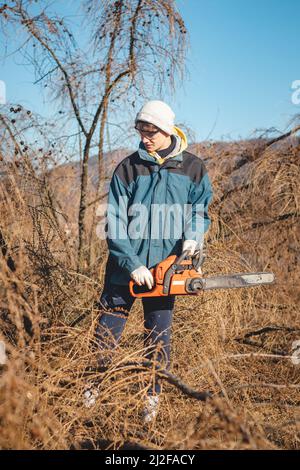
[(146, 130)]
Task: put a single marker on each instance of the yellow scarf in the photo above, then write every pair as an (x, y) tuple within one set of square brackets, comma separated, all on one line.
[(183, 145)]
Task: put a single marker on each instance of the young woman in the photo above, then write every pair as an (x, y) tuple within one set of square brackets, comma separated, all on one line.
[(160, 179)]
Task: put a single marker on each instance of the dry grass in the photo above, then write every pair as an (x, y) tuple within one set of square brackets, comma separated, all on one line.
[(236, 344)]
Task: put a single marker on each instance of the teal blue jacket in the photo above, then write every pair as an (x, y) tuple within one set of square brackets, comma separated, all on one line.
[(154, 205)]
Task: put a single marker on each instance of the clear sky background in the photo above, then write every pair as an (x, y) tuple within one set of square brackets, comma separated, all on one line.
[(243, 59)]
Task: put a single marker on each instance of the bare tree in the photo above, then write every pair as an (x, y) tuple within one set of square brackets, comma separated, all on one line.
[(132, 50)]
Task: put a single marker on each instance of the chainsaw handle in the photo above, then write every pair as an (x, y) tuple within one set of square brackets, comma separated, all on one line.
[(169, 273), (181, 257), (199, 258)]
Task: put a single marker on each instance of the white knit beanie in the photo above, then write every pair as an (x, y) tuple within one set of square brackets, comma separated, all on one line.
[(157, 113)]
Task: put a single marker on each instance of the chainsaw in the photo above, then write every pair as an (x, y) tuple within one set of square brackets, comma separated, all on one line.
[(179, 275)]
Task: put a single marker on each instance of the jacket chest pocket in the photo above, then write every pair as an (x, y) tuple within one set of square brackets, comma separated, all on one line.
[(178, 188)]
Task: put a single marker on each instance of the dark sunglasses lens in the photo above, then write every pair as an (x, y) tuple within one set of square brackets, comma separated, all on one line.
[(146, 128)]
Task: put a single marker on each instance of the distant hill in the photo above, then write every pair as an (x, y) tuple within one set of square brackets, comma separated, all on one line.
[(255, 206), (239, 344)]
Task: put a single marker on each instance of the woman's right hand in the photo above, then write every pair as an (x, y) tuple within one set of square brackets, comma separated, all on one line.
[(142, 275)]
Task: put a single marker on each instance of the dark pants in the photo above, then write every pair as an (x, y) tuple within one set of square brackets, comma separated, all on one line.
[(158, 313)]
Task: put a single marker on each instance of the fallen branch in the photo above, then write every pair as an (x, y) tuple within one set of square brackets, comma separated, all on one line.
[(267, 329), (264, 385), (271, 356), (169, 377), (187, 390), (283, 136), (275, 219)]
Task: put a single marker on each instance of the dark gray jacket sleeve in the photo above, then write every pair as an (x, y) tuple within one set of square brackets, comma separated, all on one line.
[(118, 241)]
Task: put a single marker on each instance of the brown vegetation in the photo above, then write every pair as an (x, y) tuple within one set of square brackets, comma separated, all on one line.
[(235, 344)]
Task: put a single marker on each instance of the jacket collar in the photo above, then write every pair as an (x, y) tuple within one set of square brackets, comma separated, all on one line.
[(181, 145)]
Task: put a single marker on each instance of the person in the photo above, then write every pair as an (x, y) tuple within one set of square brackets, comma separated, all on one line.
[(160, 174)]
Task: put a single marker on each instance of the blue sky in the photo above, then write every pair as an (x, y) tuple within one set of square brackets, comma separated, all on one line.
[(243, 60)]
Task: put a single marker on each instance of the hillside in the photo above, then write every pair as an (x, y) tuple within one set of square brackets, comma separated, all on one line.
[(238, 344), (255, 193)]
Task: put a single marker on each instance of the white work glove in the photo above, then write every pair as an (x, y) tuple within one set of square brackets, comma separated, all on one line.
[(190, 245), (142, 275)]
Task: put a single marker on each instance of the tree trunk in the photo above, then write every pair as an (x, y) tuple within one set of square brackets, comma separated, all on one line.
[(82, 205)]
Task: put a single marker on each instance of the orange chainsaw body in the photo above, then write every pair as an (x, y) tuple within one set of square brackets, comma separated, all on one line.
[(177, 286)]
